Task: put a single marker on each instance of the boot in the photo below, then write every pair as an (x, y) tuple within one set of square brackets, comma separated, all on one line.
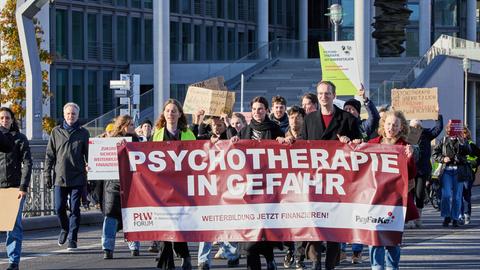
[(418, 222)]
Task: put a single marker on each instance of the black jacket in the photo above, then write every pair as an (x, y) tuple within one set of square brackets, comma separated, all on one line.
[(12, 173), (343, 124), (424, 166), (67, 154), (272, 134), (6, 143)]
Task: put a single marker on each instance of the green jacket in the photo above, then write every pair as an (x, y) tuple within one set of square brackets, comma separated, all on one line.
[(184, 135)]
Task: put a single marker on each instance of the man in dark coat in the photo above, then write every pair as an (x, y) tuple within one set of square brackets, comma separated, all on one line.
[(328, 123), (67, 153)]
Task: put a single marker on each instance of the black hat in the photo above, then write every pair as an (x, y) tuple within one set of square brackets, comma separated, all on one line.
[(354, 103), (146, 121)]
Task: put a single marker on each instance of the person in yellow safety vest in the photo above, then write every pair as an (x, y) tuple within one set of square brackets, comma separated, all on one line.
[(472, 159)]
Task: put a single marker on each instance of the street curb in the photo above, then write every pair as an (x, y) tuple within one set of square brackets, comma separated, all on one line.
[(48, 222)]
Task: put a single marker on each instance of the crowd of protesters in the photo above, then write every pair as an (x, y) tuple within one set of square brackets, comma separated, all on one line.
[(317, 118)]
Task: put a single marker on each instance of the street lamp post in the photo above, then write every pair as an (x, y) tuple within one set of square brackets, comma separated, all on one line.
[(466, 68), (336, 18)]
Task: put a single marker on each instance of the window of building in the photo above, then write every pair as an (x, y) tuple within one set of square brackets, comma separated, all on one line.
[(220, 43), (197, 7), (348, 13), (148, 4), (220, 9), (412, 43), (415, 15), (93, 110), (187, 46), (209, 42), (174, 44), (446, 12), (92, 36), (121, 3), (61, 34), (148, 44), (77, 37), (107, 92), (198, 45), (136, 39), (271, 11), (107, 45), (252, 10), (231, 9), (121, 38), (77, 90), (252, 41), (174, 6), (231, 47), (187, 6), (209, 8), (61, 91), (242, 48), (242, 10), (135, 3), (280, 12)]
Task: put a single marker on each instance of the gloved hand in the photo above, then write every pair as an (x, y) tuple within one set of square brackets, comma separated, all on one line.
[(49, 181)]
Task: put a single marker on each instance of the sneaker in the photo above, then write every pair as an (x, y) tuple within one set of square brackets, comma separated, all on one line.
[(343, 256), (357, 258), (153, 248), (288, 260), (300, 265), (467, 219), (271, 265), (446, 221), (107, 254), (233, 262), (204, 266), (219, 254), (455, 223), (135, 252), (72, 245), (12, 266), (186, 263), (62, 237)]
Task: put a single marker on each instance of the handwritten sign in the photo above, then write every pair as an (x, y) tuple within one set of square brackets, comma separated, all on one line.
[(213, 102), (215, 83), (417, 103), (102, 158), (456, 128)]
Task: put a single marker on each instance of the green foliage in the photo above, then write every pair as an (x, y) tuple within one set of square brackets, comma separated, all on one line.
[(12, 71)]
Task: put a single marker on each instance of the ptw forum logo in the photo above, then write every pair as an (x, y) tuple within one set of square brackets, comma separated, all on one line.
[(142, 219)]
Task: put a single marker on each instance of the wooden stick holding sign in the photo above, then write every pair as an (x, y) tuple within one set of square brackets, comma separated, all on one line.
[(416, 103)]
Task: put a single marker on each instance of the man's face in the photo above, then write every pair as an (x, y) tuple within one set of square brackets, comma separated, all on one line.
[(70, 114), (295, 120), (218, 126), (325, 95), (278, 110), (258, 111), (352, 110)]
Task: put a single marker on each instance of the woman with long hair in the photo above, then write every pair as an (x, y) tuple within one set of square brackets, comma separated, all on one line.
[(452, 153), (15, 172), (393, 130), (123, 127), (172, 126)]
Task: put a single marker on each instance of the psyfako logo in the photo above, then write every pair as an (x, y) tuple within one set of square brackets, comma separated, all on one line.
[(388, 219), (143, 219)]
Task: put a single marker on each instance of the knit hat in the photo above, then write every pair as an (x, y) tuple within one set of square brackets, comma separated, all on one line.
[(354, 103), (146, 121)]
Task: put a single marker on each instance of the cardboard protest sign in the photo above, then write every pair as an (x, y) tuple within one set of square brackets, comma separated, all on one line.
[(416, 103), (456, 128), (414, 135), (338, 61), (102, 158), (215, 83), (213, 102), (9, 210)]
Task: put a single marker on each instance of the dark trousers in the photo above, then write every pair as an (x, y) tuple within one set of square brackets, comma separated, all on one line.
[(420, 185), (71, 223), (165, 253), (467, 198), (254, 250), (313, 250)]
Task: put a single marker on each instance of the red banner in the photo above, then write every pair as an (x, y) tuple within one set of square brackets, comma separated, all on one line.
[(195, 191)]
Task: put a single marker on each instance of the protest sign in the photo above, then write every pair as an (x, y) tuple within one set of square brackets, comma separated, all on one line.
[(9, 210), (102, 158), (338, 61), (213, 102), (215, 83), (456, 128), (414, 135), (416, 103), (248, 191)]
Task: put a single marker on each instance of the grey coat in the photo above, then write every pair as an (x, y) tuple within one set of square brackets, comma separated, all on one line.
[(67, 154)]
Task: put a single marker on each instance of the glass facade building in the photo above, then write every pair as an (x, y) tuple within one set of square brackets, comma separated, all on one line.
[(94, 41)]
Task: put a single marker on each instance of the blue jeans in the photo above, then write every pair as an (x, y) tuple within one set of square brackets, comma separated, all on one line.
[(451, 191), (467, 198), (355, 247), (69, 224), (377, 257), (205, 248), (15, 237), (109, 233)]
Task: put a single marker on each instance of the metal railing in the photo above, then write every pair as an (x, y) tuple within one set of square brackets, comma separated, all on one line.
[(284, 48), (39, 200), (444, 45)]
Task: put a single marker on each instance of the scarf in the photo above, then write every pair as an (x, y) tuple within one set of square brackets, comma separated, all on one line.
[(72, 128), (267, 124)]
